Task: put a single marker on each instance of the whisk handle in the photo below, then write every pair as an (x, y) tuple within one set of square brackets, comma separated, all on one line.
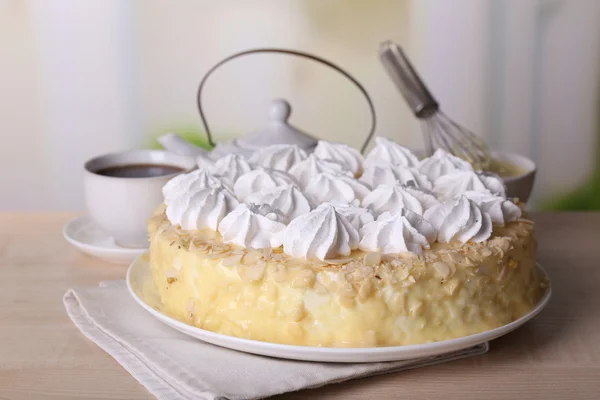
[(402, 73)]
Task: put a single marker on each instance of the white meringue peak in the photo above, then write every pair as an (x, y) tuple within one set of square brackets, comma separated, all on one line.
[(442, 163), (459, 219), (341, 153), (336, 188), (456, 183), (357, 216), (279, 157), (389, 153), (500, 209), (323, 233), (397, 233), (288, 199), (395, 198), (307, 170), (261, 179), (190, 182), (230, 167), (252, 225), (376, 175), (201, 208)]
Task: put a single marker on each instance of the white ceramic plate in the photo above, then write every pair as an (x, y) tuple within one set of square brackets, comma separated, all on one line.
[(83, 233), (141, 287)]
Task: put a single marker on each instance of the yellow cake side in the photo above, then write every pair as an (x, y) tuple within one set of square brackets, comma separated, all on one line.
[(450, 291)]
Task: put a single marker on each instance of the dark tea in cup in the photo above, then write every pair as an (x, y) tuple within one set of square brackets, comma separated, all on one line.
[(139, 170)]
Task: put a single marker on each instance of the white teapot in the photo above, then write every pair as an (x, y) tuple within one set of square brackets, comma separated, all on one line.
[(277, 130)]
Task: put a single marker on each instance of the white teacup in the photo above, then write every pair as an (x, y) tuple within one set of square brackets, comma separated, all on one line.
[(121, 206)]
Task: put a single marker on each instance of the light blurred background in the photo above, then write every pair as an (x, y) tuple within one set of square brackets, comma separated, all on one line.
[(81, 78)]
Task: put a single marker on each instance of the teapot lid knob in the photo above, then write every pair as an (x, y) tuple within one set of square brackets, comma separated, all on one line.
[(279, 110), (277, 130)]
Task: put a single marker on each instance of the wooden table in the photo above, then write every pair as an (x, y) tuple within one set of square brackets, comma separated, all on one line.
[(43, 355)]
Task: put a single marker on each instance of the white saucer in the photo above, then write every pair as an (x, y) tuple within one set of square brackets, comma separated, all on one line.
[(89, 238), (141, 287)]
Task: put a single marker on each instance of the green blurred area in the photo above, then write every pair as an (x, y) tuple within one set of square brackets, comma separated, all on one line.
[(192, 135), (587, 196)]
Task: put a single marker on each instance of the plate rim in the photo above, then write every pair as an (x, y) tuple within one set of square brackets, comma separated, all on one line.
[(337, 354), (95, 248)]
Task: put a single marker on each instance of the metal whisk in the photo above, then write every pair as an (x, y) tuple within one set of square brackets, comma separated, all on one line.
[(439, 130)]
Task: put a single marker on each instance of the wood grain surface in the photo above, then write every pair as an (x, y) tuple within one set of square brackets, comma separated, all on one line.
[(43, 355)]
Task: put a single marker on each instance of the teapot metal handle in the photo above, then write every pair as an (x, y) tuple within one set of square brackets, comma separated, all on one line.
[(293, 53)]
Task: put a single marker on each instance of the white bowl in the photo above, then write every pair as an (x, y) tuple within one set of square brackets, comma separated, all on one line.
[(519, 186), (516, 186)]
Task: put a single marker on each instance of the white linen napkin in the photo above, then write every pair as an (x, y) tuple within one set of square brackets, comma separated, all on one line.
[(173, 366)]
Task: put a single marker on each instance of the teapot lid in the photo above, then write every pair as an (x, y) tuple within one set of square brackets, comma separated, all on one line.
[(277, 130)]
